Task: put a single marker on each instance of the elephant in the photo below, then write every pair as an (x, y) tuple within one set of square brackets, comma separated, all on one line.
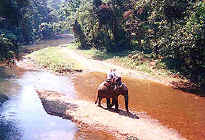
[(106, 92)]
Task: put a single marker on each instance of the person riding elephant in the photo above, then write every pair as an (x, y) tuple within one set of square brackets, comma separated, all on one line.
[(106, 92), (111, 75)]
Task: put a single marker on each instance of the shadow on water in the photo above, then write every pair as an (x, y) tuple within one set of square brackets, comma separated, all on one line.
[(8, 128), (189, 87), (198, 92), (194, 76), (4, 74)]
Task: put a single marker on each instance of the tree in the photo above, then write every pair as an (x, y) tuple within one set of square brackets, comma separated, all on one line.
[(168, 29)]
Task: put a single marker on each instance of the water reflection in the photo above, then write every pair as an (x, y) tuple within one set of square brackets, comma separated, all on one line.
[(47, 81), (23, 117)]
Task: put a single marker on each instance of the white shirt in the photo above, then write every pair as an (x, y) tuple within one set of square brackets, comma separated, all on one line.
[(111, 75)]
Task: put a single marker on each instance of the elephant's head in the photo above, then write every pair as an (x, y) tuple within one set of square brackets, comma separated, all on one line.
[(121, 89), (117, 81)]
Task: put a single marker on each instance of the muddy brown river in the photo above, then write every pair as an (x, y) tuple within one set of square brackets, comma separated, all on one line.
[(181, 111)]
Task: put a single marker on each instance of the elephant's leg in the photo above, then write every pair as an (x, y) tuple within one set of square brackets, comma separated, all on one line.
[(108, 103), (112, 103), (99, 101), (126, 103), (96, 100), (116, 104)]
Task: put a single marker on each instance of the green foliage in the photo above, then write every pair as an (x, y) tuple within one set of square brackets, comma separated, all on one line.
[(46, 30), (24, 18), (57, 28), (80, 36), (7, 48), (168, 29), (44, 18), (174, 30), (24, 21), (100, 24), (97, 3), (8, 34)]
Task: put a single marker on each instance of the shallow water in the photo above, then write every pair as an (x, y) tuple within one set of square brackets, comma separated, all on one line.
[(22, 116), (175, 109)]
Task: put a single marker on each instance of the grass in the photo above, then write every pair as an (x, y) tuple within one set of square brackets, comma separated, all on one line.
[(53, 58), (133, 64), (97, 54), (122, 59), (73, 45)]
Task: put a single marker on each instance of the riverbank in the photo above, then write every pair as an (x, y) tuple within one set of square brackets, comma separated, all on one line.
[(66, 58)]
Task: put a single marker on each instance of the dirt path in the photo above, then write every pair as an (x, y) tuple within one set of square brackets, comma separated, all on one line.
[(101, 66)]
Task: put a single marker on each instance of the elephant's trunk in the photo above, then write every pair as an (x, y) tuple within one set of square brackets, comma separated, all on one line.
[(126, 102)]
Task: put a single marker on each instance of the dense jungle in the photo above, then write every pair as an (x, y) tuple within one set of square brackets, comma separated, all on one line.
[(54, 54), (171, 31), (55, 57)]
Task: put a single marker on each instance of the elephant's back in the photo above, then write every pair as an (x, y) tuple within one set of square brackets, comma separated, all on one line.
[(104, 92)]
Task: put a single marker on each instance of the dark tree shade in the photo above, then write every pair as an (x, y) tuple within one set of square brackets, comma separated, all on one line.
[(97, 3)]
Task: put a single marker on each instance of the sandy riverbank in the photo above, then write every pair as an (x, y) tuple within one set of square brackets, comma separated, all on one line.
[(118, 124)]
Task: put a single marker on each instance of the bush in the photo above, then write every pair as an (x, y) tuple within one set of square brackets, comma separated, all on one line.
[(57, 28), (46, 30), (8, 34), (176, 30), (7, 48)]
